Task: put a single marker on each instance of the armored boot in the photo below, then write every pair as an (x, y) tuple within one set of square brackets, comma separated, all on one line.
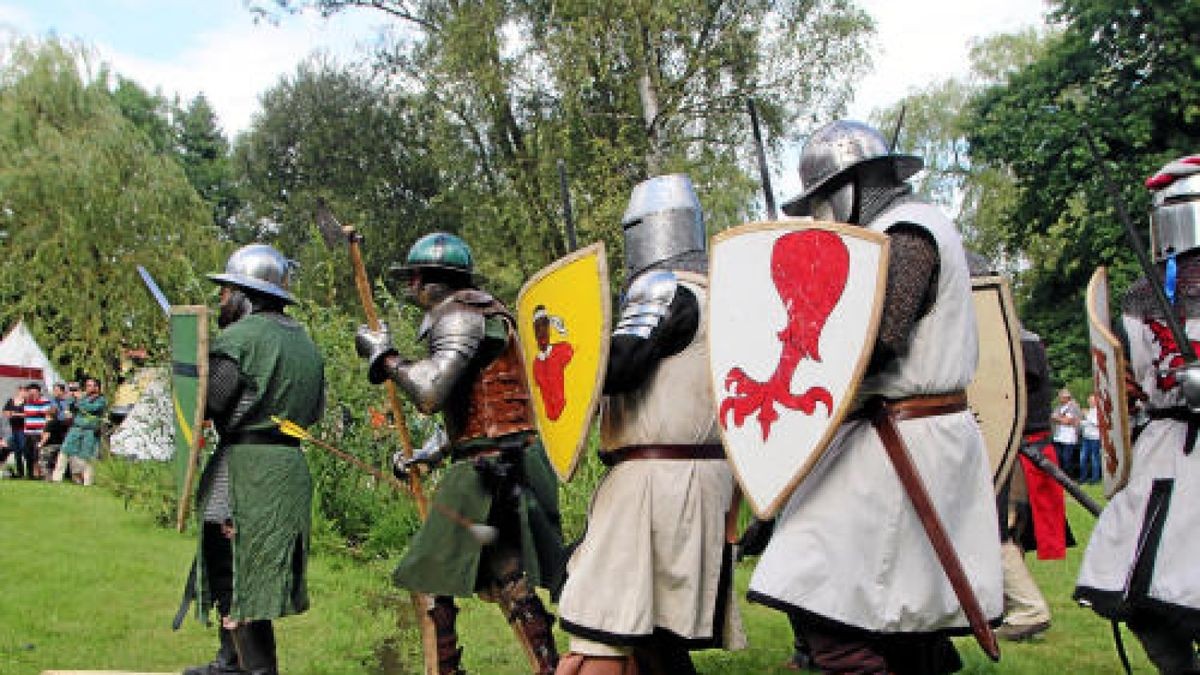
[(531, 623), (256, 648), (225, 662), (449, 654)]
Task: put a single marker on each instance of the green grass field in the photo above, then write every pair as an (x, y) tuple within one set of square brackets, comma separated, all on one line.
[(87, 584)]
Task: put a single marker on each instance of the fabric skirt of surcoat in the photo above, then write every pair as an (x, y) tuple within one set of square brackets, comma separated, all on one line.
[(848, 549), (652, 557), (1144, 552)]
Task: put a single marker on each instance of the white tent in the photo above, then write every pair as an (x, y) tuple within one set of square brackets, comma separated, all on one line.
[(23, 361)]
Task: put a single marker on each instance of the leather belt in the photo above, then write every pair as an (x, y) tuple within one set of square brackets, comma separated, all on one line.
[(662, 451), (915, 407), (259, 438)]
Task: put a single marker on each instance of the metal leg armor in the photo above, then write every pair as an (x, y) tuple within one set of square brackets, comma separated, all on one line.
[(530, 622), (449, 654)]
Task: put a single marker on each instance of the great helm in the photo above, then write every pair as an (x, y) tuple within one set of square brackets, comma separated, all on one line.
[(841, 149), (259, 268), (663, 220), (437, 250), (1175, 208)]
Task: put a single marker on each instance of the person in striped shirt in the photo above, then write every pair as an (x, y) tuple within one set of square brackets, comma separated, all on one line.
[(36, 409)]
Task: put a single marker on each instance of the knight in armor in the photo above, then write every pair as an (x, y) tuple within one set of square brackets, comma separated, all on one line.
[(498, 472), (255, 494), (849, 560), (651, 578), (1140, 566)]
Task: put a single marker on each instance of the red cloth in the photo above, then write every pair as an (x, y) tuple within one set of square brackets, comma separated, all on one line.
[(549, 374), (1049, 510)]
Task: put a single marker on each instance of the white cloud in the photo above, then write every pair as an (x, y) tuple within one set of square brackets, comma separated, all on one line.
[(922, 43), (235, 63)]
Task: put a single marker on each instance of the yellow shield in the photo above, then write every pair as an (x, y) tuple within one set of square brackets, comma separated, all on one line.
[(563, 315)]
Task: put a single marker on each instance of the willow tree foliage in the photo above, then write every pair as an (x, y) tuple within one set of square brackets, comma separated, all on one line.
[(1126, 75), (617, 90), (84, 197)]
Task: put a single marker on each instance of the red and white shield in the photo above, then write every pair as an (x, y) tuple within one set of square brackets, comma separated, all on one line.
[(793, 312), (1108, 376)]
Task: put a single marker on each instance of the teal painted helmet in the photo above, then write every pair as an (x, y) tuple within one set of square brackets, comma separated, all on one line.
[(438, 251)]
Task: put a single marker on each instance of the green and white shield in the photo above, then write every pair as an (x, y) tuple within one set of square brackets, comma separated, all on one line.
[(189, 388)]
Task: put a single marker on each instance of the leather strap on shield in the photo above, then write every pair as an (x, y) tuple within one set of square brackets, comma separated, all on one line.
[(882, 418)]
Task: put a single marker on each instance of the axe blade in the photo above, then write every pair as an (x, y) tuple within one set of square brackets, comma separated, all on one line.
[(331, 230)]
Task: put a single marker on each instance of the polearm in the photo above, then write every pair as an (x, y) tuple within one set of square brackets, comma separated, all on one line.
[(764, 173), (568, 214), (332, 230), (1139, 250), (1053, 471)]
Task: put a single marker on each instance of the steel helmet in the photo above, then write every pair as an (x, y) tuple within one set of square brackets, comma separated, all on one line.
[(438, 250), (1175, 208), (839, 149), (259, 268), (663, 220)]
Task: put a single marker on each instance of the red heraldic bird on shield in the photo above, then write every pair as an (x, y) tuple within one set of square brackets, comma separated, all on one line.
[(809, 270)]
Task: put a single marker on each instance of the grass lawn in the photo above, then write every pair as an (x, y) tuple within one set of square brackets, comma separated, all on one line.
[(88, 584)]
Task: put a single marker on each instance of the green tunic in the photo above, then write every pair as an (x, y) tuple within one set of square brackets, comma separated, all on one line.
[(444, 559), (83, 438), (270, 488)]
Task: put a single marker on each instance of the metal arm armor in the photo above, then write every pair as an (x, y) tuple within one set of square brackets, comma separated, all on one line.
[(647, 302), (453, 342)]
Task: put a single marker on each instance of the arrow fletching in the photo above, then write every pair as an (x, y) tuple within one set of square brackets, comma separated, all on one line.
[(290, 428)]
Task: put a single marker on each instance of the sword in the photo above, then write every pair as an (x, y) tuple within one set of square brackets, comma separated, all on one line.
[(893, 443), (1051, 469), (155, 291), (763, 173)]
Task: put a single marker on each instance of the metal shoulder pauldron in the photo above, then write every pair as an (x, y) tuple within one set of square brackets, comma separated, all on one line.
[(646, 303)]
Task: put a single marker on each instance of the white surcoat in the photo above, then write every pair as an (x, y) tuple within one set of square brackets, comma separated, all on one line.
[(848, 547), (1160, 503), (653, 551)]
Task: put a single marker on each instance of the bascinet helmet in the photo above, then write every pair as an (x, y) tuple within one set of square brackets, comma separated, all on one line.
[(1175, 208), (438, 251), (841, 150), (258, 268), (663, 220)]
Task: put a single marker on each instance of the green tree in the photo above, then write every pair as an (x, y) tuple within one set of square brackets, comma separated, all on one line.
[(341, 134), (618, 91), (151, 113), (935, 129), (204, 154), (84, 197), (1125, 73)]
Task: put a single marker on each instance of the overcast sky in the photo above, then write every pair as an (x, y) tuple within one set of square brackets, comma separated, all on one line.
[(216, 47)]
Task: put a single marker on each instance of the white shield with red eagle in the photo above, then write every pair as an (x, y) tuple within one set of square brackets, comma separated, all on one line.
[(1108, 376), (794, 307)]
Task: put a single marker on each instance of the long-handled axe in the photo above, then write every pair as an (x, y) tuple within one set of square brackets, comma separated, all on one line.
[(333, 231)]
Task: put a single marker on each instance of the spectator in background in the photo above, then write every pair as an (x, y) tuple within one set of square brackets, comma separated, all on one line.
[(1089, 450), (53, 435), (82, 443), (60, 400), (37, 410), (5, 433), (14, 412), (1066, 419)]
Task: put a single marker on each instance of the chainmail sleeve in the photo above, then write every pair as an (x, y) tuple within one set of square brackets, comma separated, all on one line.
[(911, 283), (224, 388)]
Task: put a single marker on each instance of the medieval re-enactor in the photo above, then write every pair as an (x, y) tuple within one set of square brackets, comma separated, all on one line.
[(498, 473), (849, 557), (650, 581), (255, 494), (1142, 564)]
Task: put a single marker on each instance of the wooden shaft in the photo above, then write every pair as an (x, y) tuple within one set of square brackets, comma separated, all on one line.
[(897, 452), (393, 396)]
